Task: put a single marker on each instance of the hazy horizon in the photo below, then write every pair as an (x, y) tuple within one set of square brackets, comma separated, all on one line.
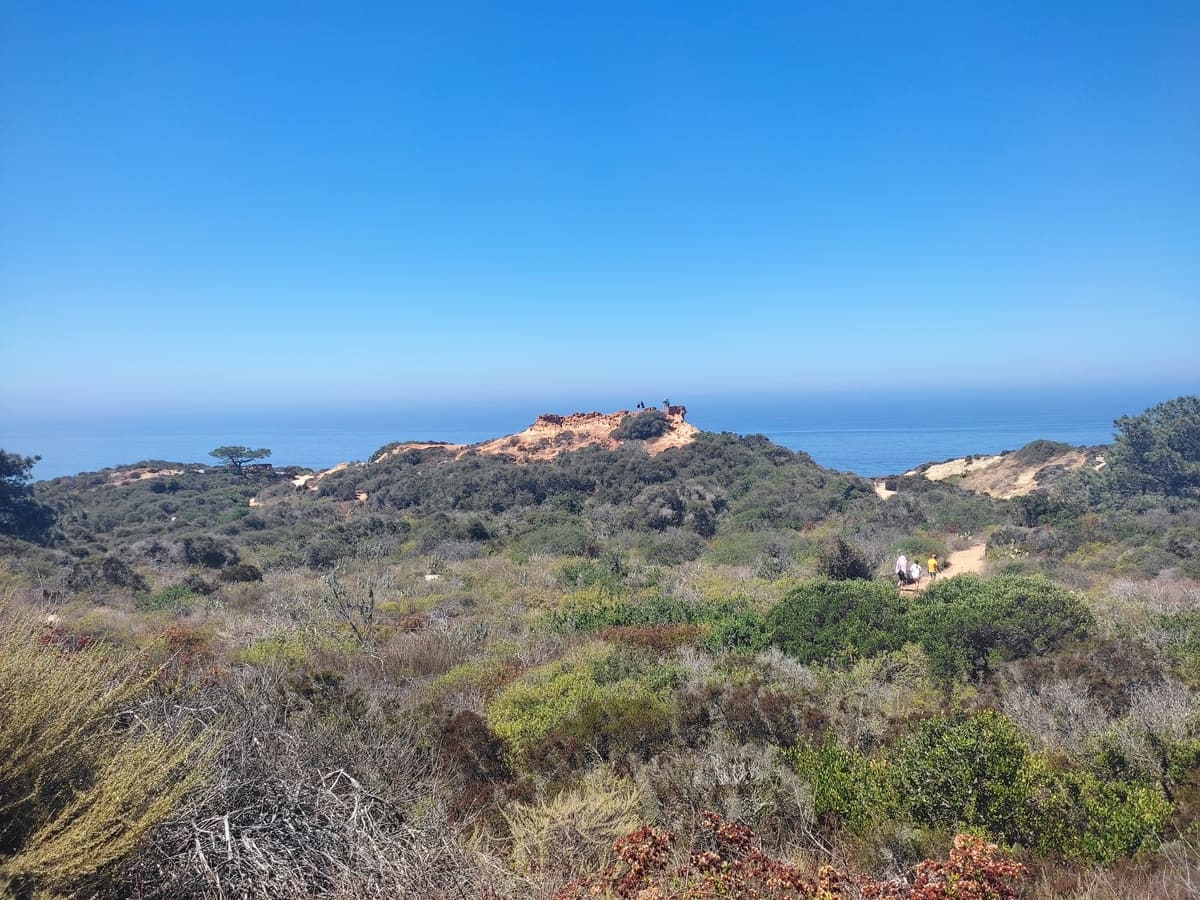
[(869, 432), (247, 407)]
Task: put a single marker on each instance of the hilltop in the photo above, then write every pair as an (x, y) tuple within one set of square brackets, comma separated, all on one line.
[(551, 435), (1013, 474)]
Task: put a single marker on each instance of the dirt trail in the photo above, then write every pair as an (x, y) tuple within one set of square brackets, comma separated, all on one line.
[(971, 560)]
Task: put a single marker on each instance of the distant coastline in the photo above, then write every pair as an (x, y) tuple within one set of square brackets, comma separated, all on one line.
[(869, 433)]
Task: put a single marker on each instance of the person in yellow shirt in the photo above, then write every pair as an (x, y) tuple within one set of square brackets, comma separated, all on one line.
[(933, 566)]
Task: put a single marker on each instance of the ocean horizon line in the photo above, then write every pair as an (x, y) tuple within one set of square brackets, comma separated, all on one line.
[(870, 434)]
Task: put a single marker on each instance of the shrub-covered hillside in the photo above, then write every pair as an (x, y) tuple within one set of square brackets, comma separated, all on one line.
[(445, 673)]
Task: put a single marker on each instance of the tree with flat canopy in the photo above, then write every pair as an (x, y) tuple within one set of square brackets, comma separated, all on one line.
[(236, 457)]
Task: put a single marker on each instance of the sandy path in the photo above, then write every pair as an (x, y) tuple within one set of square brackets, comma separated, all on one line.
[(971, 560), (882, 491)]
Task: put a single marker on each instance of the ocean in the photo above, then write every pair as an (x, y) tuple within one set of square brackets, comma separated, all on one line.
[(869, 433)]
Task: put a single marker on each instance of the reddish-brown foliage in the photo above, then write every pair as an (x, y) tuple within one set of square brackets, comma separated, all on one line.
[(508, 671), (188, 644), (725, 862), (660, 638), (67, 641)]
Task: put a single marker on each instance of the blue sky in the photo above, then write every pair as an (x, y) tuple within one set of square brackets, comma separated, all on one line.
[(229, 205)]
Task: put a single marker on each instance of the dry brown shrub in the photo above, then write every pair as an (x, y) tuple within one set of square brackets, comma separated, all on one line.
[(328, 799), (1172, 873), (244, 597), (572, 832), (660, 638), (85, 771), (743, 782), (1059, 715), (429, 651)]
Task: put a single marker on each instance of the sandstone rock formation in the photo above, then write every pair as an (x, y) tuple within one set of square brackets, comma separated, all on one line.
[(548, 436)]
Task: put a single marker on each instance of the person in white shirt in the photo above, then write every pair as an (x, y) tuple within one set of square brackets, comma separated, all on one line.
[(902, 568), (914, 572)]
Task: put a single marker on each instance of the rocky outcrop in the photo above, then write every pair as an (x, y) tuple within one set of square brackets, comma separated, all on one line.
[(1009, 475), (548, 436), (552, 434)]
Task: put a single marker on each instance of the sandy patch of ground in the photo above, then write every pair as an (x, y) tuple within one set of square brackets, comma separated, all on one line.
[(128, 476), (1008, 475), (553, 434), (972, 561), (964, 466), (881, 489), (312, 479)]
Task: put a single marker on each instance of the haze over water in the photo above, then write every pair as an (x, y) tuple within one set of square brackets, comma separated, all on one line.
[(870, 433)]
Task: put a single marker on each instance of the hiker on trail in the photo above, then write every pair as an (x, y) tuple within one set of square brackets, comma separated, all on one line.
[(914, 572), (902, 569), (933, 567)]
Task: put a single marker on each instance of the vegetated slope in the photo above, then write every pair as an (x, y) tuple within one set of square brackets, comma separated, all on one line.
[(456, 673), (1014, 474), (712, 481), (468, 501)]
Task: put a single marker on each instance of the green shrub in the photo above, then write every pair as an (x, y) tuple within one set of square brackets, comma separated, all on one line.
[(840, 560), (289, 649), (966, 623), (608, 573), (671, 547), (1181, 640), (1041, 451), (555, 539), (1119, 819), (737, 630), (609, 699), (1078, 814), (173, 597), (965, 772), (203, 550), (727, 626), (240, 572), (851, 790), (614, 723), (738, 548), (94, 572), (965, 514), (594, 609), (324, 554), (980, 772), (822, 620), (920, 547), (645, 426)]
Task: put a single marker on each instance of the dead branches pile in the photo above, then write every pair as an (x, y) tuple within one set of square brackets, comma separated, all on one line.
[(308, 808)]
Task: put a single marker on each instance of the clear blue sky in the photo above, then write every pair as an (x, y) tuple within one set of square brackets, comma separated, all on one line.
[(208, 203)]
